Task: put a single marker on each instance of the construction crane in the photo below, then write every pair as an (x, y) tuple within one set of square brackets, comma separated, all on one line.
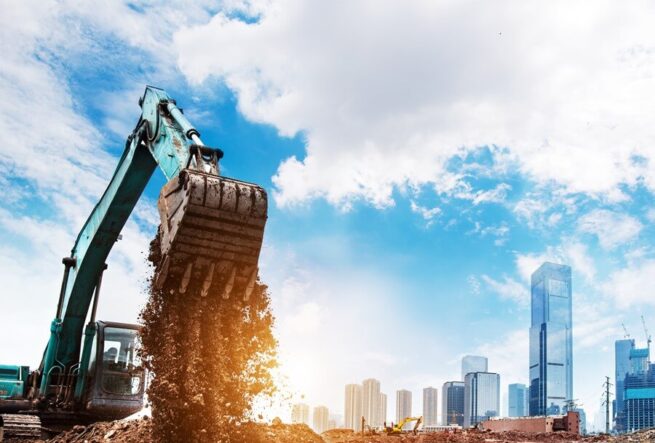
[(211, 230), (648, 338), (625, 331)]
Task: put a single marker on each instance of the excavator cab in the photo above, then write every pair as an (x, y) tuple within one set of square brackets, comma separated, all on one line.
[(116, 376)]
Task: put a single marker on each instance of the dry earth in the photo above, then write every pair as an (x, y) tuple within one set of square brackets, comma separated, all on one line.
[(140, 431)]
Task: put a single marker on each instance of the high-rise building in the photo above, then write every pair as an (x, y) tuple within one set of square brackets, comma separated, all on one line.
[(370, 399), (332, 424), (639, 400), (622, 350), (353, 407), (474, 363), (382, 409), (551, 340), (481, 397), (639, 360), (321, 417), (403, 405), (300, 413), (517, 400), (430, 401), (452, 403)]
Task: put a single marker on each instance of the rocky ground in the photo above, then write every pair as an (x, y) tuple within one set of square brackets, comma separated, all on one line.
[(140, 431)]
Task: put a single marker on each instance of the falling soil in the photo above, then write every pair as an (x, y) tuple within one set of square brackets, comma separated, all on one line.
[(209, 358)]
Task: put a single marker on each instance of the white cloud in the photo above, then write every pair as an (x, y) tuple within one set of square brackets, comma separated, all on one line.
[(509, 289), (428, 214), (632, 285), (650, 214), (388, 104), (494, 195), (570, 252), (611, 228), (499, 231)]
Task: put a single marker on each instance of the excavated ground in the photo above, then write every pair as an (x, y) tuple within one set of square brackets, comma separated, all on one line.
[(474, 436), (140, 431)]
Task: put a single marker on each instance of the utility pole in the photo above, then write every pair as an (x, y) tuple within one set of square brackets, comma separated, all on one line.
[(606, 403)]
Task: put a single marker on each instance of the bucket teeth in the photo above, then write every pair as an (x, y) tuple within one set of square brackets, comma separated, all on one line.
[(208, 280), (230, 283), (186, 279), (161, 275), (251, 285)]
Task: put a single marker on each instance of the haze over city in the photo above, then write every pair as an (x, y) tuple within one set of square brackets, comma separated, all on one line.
[(422, 159)]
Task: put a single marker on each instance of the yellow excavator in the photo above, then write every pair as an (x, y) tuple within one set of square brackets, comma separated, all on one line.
[(397, 429)]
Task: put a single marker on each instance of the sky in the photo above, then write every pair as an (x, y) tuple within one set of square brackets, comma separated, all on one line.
[(423, 158)]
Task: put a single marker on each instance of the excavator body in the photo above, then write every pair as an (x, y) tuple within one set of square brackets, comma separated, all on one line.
[(210, 236)]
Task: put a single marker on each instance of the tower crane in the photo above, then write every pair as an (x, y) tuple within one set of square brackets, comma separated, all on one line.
[(648, 338)]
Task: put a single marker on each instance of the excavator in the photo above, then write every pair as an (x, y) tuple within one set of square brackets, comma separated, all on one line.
[(397, 429), (211, 231)]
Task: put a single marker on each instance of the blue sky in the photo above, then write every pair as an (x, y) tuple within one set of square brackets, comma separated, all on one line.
[(422, 160)]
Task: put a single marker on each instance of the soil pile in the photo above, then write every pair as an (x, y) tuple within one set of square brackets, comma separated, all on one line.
[(140, 431), (210, 356)]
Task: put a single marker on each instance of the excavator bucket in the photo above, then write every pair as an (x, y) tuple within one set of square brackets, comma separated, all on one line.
[(211, 233)]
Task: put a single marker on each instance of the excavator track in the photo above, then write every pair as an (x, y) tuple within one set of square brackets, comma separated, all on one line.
[(20, 426)]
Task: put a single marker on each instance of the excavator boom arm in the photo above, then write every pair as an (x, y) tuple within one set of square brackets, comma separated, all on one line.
[(161, 138)]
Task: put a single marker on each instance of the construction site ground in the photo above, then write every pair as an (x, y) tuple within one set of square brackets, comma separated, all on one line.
[(139, 431)]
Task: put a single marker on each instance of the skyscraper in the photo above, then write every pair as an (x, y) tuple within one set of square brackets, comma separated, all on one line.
[(403, 405), (430, 406), (639, 400), (474, 363), (481, 397), (517, 400), (551, 340), (452, 404), (320, 419), (622, 350), (300, 413), (353, 407), (382, 408), (370, 399)]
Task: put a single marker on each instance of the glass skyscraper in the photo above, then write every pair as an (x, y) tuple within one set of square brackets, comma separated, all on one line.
[(481, 397), (622, 350), (474, 363), (551, 340), (452, 405), (518, 400)]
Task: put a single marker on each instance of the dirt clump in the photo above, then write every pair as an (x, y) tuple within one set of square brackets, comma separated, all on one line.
[(122, 431), (209, 355)]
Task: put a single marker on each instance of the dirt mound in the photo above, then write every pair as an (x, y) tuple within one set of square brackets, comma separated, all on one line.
[(210, 355), (140, 431), (123, 431)]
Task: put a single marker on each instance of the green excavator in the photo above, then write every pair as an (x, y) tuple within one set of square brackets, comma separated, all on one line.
[(211, 230)]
